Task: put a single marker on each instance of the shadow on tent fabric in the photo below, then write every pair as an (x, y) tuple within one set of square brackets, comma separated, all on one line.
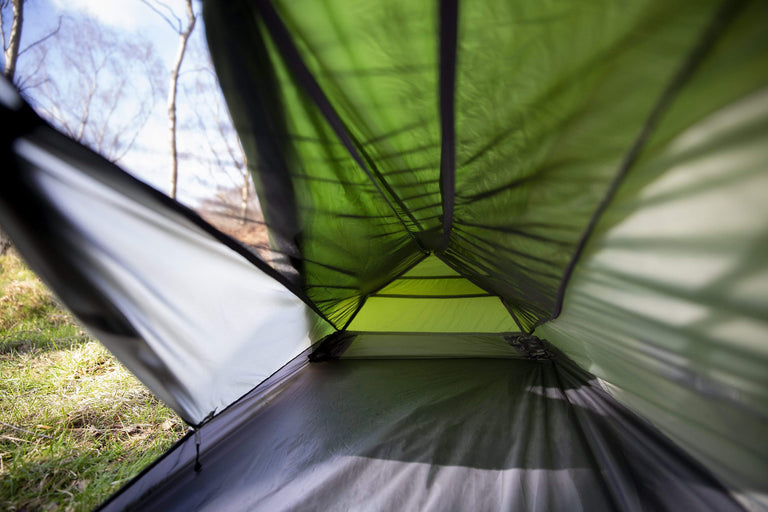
[(439, 434)]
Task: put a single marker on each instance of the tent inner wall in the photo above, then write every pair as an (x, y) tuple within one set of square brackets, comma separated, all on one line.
[(666, 304), (433, 435), (432, 297)]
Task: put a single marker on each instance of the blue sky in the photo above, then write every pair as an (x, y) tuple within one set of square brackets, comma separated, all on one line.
[(129, 16), (149, 160)]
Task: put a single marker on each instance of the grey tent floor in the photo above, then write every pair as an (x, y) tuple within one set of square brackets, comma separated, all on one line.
[(438, 434)]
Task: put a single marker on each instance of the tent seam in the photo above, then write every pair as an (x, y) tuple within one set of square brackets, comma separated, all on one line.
[(448, 48), (591, 453), (281, 36), (107, 170), (706, 41), (365, 297)]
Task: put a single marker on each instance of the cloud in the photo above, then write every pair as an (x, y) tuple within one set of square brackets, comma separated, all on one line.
[(126, 14)]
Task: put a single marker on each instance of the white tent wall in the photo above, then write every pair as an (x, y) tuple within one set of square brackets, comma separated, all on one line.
[(198, 323), (668, 304)]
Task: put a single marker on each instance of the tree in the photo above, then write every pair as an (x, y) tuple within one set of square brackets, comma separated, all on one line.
[(221, 140), (13, 42), (96, 85), (12, 21), (208, 135), (11, 52), (184, 31)]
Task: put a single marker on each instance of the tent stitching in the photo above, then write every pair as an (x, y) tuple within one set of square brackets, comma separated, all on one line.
[(592, 454), (284, 42), (28, 121), (448, 41), (711, 33), (364, 298)]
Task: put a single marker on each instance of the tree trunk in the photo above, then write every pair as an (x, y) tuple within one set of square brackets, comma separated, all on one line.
[(183, 38), (11, 56), (244, 193), (12, 52)]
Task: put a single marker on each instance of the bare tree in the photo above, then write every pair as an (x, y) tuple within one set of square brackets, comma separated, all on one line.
[(185, 31), (12, 19), (229, 144), (11, 54), (13, 9), (245, 190), (12, 43), (209, 128), (96, 85)]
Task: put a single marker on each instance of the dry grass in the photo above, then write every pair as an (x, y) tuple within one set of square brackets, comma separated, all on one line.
[(74, 424)]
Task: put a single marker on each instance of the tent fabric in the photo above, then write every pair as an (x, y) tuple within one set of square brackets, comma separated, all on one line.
[(670, 303), (146, 276), (564, 117), (432, 297), (439, 434), (547, 112), (392, 345), (441, 181)]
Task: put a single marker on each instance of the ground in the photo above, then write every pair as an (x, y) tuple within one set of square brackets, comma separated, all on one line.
[(75, 425)]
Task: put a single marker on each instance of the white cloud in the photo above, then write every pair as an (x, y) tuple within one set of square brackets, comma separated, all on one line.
[(121, 14)]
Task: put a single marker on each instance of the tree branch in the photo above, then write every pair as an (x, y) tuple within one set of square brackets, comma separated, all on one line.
[(165, 16), (3, 5), (183, 38), (12, 51), (45, 38)]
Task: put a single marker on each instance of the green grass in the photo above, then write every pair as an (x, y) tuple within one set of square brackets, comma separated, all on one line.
[(75, 425)]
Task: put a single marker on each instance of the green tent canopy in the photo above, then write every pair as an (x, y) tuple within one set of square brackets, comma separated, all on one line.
[(518, 260)]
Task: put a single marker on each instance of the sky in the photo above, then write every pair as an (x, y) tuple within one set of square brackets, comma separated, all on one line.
[(129, 15), (149, 160)]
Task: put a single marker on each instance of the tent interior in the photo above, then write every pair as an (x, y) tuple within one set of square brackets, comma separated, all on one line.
[(518, 260)]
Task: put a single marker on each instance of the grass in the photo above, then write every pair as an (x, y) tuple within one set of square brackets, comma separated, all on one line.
[(75, 425)]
